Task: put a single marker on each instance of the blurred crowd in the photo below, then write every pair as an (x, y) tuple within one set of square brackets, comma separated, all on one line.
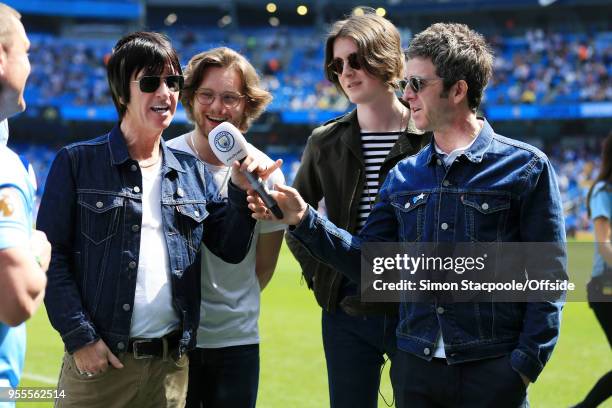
[(576, 169), (545, 68), (535, 68)]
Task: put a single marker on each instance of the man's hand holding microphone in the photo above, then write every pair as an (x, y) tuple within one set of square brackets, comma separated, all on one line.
[(285, 204), (230, 147)]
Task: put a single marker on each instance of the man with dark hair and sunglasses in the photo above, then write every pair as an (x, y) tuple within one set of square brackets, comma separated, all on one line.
[(222, 86), (468, 185), (125, 216), (344, 163)]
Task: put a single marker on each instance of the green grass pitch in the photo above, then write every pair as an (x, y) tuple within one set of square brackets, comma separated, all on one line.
[(293, 373)]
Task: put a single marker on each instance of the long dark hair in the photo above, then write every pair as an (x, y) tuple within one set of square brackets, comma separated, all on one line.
[(605, 173)]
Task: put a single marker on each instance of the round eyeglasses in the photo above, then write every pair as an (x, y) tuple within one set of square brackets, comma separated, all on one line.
[(228, 99)]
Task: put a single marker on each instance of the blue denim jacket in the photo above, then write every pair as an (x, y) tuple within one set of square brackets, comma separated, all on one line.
[(498, 190), (91, 211)]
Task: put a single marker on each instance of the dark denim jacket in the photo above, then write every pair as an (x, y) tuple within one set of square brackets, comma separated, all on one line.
[(499, 190), (91, 211)]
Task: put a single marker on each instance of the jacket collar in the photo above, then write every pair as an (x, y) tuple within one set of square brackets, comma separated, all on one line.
[(475, 152), (120, 154), (350, 134), (351, 137)]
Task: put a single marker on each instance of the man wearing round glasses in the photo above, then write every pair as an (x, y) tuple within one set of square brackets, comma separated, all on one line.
[(221, 85), (126, 216)]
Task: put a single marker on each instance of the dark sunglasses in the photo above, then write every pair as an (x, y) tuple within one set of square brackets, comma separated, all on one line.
[(416, 83), (150, 83), (337, 64)]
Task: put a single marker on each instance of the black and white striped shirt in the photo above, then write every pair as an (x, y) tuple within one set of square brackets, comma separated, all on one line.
[(375, 146)]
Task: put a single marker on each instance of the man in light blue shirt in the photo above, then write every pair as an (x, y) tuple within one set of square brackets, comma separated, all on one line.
[(24, 253), (16, 202)]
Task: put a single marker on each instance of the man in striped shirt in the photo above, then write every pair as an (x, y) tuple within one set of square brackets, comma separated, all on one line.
[(344, 163), (376, 147)]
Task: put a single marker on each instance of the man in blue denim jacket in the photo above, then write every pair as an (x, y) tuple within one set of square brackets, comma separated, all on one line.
[(126, 217), (469, 185)]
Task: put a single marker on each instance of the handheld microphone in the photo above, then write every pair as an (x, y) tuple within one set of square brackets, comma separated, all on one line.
[(229, 145)]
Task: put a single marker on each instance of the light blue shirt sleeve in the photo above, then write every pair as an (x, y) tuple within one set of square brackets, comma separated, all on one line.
[(14, 219), (600, 203), (16, 201)]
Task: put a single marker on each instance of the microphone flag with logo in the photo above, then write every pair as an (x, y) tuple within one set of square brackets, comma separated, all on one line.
[(229, 145)]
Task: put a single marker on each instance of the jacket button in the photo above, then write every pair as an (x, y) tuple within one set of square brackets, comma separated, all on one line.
[(485, 206), (446, 183), (407, 205), (444, 226), (440, 310), (135, 228), (133, 167), (137, 189), (132, 265), (180, 192), (196, 213), (126, 307), (426, 351), (99, 204), (120, 345), (439, 162)]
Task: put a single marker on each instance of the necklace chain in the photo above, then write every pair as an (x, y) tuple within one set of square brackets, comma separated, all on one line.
[(146, 166), (402, 113), (478, 129), (194, 145), (225, 179)]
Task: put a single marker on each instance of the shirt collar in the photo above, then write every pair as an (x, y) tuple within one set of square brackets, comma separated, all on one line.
[(120, 154), (474, 152), (452, 156), (4, 132)]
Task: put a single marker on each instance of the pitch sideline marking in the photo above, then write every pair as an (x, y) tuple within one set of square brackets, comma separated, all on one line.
[(40, 378)]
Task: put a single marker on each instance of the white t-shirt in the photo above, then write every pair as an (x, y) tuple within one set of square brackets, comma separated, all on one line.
[(153, 314), (229, 310), (448, 160)]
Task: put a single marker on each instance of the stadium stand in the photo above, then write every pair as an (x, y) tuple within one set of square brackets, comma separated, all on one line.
[(552, 80), (552, 72)]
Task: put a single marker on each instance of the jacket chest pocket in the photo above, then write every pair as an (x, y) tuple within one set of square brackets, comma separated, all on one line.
[(485, 215), (410, 210), (100, 215), (190, 218)]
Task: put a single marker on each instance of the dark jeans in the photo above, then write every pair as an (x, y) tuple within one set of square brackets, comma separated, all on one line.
[(603, 313), (223, 378), (354, 352), (489, 383), (602, 390)]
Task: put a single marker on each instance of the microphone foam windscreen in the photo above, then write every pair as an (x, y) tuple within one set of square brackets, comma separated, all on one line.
[(227, 143)]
